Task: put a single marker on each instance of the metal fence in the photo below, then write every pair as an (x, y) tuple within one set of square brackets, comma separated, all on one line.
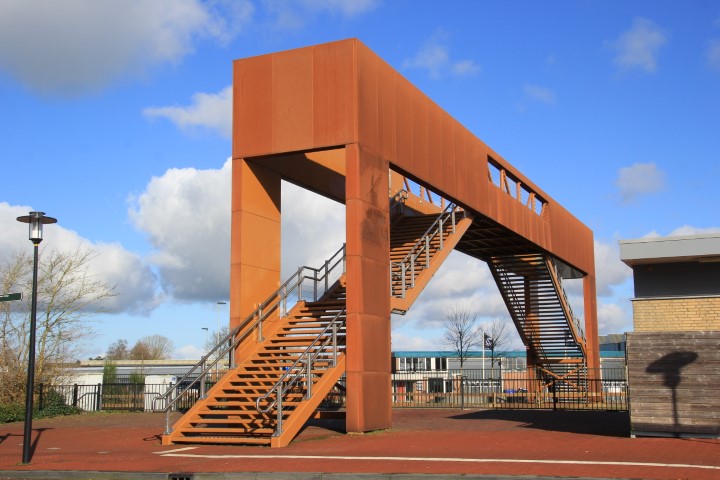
[(579, 389), (108, 396)]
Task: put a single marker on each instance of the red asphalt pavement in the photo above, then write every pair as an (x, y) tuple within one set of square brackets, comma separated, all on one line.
[(421, 441)]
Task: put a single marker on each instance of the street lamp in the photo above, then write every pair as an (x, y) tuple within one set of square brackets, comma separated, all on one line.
[(35, 220)]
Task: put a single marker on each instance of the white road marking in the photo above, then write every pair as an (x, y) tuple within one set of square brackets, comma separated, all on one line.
[(165, 452), (436, 459)]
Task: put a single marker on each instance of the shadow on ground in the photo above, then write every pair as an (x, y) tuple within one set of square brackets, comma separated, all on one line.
[(612, 424)]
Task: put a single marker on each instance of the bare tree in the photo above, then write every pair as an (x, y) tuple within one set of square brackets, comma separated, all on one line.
[(118, 350), (152, 347), (496, 338), (461, 332), (68, 297)]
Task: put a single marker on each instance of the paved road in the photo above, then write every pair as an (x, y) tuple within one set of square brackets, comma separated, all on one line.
[(497, 444)]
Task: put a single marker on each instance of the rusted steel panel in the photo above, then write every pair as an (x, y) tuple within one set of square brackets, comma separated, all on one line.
[(375, 106), (333, 94), (252, 97), (292, 106)]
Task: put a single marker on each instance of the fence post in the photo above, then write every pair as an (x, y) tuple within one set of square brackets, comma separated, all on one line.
[(98, 398), (75, 395)]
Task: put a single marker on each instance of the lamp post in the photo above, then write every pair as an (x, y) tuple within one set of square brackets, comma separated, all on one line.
[(219, 306), (35, 221)]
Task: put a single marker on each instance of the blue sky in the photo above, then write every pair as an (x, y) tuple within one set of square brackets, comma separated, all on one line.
[(115, 119)]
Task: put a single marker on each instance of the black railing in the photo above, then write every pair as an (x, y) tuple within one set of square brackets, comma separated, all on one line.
[(527, 389), (605, 389)]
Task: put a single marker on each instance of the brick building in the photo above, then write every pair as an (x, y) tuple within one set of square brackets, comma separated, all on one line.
[(673, 353)]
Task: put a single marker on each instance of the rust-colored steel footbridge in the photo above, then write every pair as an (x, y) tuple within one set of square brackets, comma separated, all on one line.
[(339, 121)]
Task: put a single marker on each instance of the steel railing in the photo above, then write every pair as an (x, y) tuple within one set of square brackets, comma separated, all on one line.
[(295, 289), (300, 374), (419, 254)]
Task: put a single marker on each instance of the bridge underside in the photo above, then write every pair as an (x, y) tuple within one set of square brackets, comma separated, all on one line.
[(339, 121)]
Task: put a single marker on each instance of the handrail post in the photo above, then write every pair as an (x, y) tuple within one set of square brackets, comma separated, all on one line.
[(203, 376), (403, 279), (278, 427), (284, 301), (308, 381), (412, 271), (327, 274), (334, 342), (427, 250), (440, 231), (453, 219), (260, 324), (315, 284)]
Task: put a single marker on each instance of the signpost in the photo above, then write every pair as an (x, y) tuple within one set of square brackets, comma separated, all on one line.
[(9, 297)]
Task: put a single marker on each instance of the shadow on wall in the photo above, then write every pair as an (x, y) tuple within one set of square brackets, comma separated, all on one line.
[(669, 366)]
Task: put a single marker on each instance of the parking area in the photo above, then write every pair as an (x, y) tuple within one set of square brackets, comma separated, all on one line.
[(592, 444)]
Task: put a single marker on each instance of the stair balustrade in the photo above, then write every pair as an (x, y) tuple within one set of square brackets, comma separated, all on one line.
[(300, 373), (420, 254), (294, 290)]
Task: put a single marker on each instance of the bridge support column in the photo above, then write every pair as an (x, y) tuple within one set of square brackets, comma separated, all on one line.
[(255, 237), (368, 284)]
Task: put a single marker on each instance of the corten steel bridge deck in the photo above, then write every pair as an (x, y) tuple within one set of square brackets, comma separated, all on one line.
[(339, 121)]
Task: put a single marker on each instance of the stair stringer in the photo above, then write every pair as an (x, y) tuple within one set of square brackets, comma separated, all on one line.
[(307, 408), (402, 305)]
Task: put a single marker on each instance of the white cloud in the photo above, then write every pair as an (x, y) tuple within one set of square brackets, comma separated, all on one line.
[(313, 228), (348, 8), (638, 47), (404, 342), (295, 15), (186, 216), (610, 271), (541, 94), (73, 47), (612, 318), (133, 280), (639, 179), (188, 352), (684, 230), (713, 54), (211, 111), (434, 57)]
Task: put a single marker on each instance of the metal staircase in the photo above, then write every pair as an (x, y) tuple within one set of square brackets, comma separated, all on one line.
[(418, 245), (531, 289), (287, 361)]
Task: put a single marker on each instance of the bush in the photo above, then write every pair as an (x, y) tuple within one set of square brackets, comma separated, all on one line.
[(12, 412), (53, 406)]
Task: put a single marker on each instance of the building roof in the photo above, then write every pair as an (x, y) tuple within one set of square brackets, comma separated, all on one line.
[(687, 248)]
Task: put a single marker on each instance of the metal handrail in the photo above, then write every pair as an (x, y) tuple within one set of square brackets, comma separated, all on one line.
[(576, 320), (252, 323), (422, 246), (296, 372)]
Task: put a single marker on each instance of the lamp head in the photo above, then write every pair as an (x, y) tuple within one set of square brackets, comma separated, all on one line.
[(35, 221)]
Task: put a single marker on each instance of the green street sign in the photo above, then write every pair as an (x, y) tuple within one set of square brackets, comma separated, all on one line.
[(8, 297)]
